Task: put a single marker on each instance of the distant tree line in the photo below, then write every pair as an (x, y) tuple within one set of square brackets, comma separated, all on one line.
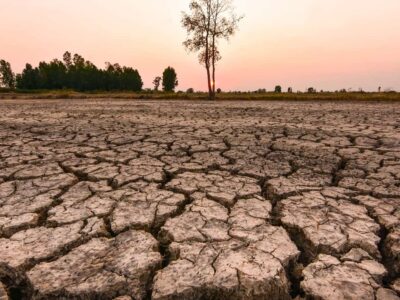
[(76, 73), (73, 72)]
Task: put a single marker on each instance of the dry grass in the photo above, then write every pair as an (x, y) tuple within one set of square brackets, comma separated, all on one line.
[(329, 96)]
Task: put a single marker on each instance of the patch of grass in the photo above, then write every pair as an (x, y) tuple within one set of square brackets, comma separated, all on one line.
[(150, 95)]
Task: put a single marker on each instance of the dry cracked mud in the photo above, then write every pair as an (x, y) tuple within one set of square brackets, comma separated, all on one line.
[(114, 199)]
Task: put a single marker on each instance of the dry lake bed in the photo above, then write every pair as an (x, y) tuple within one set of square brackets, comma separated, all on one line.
[(163, 200)]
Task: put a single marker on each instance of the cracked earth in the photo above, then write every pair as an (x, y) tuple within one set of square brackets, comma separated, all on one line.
[(199, 200)]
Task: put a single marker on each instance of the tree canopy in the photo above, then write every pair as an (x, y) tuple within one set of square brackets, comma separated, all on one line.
[(7, 77), (208, 22), (170, 79), (76, 73)]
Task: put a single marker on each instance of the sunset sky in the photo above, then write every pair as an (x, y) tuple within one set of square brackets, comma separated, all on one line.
[(327, 44)]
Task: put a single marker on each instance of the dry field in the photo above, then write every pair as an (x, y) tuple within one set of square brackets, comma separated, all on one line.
[(166, 200)]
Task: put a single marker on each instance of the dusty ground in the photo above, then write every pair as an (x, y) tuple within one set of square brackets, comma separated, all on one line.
[(200, 200)]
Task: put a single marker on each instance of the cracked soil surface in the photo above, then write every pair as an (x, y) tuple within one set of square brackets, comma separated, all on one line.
[(194, 200)]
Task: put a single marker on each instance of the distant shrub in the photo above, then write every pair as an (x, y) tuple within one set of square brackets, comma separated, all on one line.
[(5, 90), (290, 90), (311, 90), (278, 89), (219, 91), (190, 91)]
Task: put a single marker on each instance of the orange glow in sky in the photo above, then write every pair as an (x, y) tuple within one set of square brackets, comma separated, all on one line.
[(327, 44)]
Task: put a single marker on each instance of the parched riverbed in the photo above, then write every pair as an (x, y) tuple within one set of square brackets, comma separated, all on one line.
[(165, 200)]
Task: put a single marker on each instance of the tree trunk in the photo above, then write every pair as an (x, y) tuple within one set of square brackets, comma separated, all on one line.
[(207, 62), (207, 50), (209, 81), (213, 47), (213, 67)]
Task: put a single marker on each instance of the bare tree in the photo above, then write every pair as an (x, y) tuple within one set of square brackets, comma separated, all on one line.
[(208, 22)]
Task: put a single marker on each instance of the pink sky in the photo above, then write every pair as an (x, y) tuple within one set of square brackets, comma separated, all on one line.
[(327, 44)]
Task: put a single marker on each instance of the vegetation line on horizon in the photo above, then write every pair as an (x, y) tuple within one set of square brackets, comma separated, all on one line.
[(235, 96)]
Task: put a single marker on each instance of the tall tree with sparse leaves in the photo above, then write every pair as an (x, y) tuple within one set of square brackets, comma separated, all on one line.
[(7, 77), (206, 24), (170, 80)]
